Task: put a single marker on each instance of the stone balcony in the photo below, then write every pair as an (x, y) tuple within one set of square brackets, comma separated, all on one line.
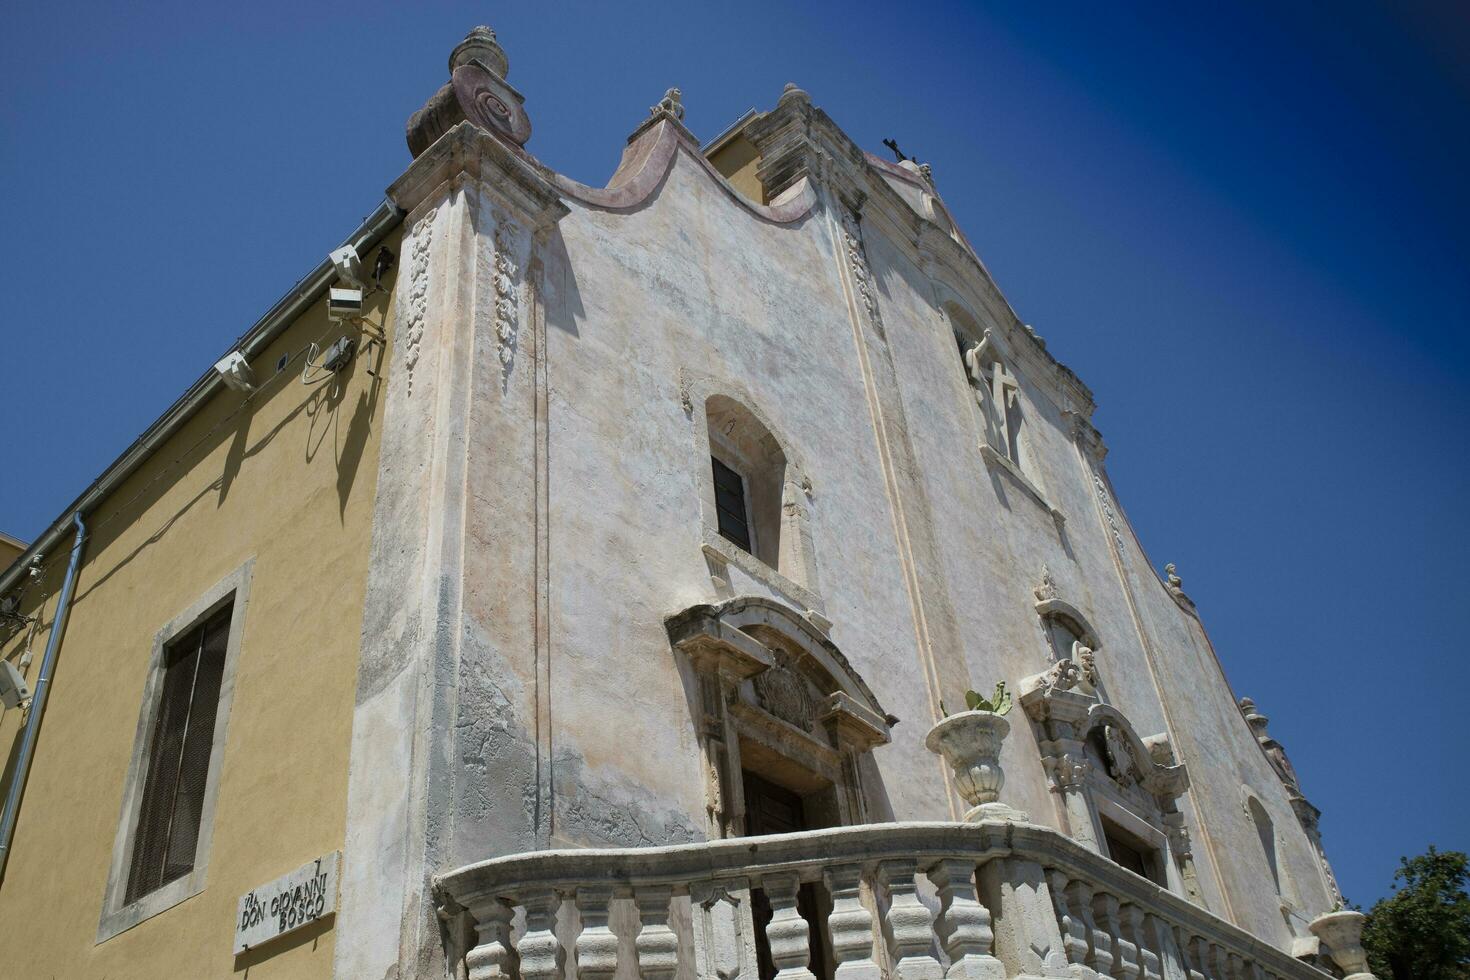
[(913, 901)]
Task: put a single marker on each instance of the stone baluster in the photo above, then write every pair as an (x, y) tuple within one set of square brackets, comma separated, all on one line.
[(1219, 963), (1148, 959), (1074, 932), (597, 946), (1109, 917), (1195, 949), (1235, 966), (910, 924), (964, 924), (1160, 937), (850, 925), (1099, 943), (787, 934), (493, 957), (1027, 938), (658, 947), (539, 951)]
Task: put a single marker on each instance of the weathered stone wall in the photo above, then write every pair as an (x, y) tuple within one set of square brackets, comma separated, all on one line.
[(541, 514)]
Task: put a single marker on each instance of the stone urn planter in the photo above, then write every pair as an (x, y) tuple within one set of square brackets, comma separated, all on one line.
[(1342, 933), (970, 742)]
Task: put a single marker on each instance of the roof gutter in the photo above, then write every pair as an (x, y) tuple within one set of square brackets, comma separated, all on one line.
[(306, 291)]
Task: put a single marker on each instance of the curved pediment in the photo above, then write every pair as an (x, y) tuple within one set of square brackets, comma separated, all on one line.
[(748, 636), (650, 155), (1151, 762)]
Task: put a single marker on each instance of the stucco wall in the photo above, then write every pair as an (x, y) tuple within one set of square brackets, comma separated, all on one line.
[(690, 284), (288, 482)]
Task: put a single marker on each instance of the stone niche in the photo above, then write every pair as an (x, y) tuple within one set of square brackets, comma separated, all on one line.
[(776, 699)]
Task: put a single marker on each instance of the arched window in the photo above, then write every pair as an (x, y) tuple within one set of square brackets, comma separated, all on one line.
[(1267, 833), (749, 470), (755, 497)]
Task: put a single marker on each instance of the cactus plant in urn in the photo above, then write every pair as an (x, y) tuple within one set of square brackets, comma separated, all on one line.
[(970, 742)]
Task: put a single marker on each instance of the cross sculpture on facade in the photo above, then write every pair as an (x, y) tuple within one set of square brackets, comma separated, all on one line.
[(989, 373)]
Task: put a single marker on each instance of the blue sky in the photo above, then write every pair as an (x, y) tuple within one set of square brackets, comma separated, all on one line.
[(1247, 228)]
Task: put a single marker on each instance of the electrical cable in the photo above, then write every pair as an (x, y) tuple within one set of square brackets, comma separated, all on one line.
[(121, 508)]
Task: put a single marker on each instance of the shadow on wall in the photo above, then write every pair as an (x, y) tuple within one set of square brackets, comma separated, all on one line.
[(312, 934), (349, 457), (567, 309)]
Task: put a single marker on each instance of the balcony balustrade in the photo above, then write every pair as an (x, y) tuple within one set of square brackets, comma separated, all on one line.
[(909, 901)]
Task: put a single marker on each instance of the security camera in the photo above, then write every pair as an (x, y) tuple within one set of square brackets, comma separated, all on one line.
[(344, 304), (348, 265), (235, 371), (13, 689)]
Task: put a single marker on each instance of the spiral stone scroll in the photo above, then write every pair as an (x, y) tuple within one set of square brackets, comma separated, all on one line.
[(490, 103), (476, 94)]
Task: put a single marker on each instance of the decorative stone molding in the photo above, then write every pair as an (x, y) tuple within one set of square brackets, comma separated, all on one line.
[(1081, 659), (857, 260), (768, 676), (784, 693), (1092, 754), (1105, 501), (507, 291), (418, 293)]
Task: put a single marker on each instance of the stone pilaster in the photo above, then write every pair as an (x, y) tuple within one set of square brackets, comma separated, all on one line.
[(439, 667)]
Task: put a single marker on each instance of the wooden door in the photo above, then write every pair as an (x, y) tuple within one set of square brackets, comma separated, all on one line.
[(772, 809)]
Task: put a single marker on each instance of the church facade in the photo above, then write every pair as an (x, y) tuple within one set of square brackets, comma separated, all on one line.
[(628, 624)]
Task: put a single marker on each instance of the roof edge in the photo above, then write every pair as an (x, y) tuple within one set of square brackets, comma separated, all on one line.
[(306, 291)]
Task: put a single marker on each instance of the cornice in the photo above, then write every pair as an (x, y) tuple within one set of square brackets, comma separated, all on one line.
[(471, 151)]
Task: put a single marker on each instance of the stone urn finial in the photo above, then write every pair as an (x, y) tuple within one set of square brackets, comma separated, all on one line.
[(1342, 933), (970, 742), (793, 93), (480, 45)]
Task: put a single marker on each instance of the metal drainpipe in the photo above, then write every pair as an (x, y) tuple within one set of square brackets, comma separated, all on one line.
[(38, 699)]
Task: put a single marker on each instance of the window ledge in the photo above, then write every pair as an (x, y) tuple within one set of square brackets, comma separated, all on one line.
[(154, 903), (718, 549), (1003, 463)]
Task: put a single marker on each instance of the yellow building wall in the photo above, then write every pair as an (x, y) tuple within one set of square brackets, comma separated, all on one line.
[(10, 550), (737, 160), (289, 481)]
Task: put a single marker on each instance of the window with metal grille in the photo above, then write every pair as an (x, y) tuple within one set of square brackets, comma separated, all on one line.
[(178, 760), (730, 508)]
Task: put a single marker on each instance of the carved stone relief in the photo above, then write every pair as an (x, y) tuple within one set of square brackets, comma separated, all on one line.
[(507, 296), (418, 293), (784, 693), (857, 260)]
